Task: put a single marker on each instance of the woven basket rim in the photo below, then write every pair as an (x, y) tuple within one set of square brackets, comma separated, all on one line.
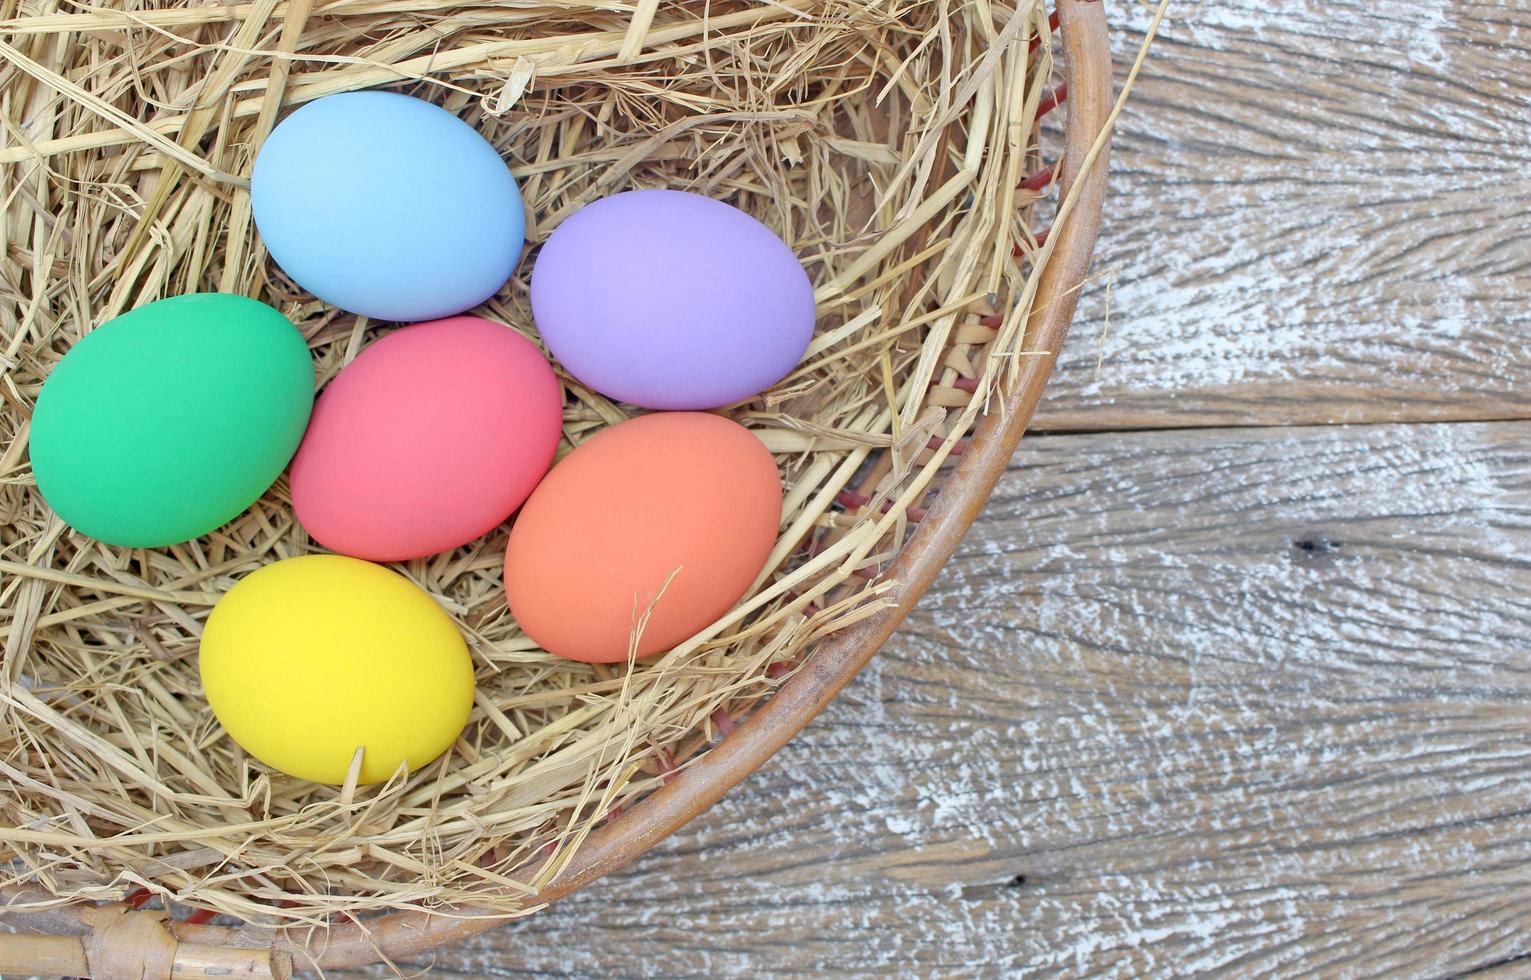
[(170, 948)]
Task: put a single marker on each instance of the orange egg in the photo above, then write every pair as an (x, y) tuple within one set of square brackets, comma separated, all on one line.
[(676, 493)]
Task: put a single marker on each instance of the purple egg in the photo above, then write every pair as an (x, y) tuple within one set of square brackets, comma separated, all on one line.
[(670, 300)]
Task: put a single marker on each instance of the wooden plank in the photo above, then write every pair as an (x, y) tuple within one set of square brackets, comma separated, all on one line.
[(1247, 701), (1319, 212)]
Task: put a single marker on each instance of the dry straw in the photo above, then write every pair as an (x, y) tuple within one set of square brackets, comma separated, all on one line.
[(889, 142)]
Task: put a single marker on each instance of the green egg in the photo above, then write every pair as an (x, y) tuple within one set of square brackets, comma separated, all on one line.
[(168, 421)]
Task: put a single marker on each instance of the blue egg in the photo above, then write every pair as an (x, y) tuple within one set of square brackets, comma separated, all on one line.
[(387, 206)]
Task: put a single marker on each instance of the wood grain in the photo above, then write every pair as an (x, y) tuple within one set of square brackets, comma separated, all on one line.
[(1319, 212), (1250, 701)]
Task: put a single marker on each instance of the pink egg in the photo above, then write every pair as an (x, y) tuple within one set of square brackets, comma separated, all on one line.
[(432, 437)]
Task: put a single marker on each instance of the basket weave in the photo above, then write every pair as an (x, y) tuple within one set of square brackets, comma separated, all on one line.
[(899, 149)]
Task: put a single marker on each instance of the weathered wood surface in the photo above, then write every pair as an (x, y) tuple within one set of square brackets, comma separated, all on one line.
[(1243, 700), (1319, 212)]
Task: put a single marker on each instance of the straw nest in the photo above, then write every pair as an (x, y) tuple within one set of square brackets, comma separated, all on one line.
[(887, 142)]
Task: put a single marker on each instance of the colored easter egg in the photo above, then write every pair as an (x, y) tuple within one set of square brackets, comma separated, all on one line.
[(169, 420), (306, 660), (670, 515), (671, 300), (434, 435), (388, 206)]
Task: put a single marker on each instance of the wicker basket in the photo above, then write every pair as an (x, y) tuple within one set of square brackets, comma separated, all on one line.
[(980, 370)]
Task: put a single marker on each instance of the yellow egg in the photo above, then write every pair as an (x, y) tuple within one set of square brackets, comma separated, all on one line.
[(309, 659)]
